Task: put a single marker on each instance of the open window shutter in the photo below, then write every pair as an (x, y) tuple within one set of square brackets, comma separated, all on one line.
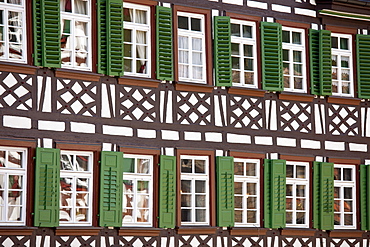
[(363, 65), (47, 187), (110, 40), (275, 193), (325, 62), (164, 43), (222, 51), (111, 189), (323, 196), (314, 41), (46, 25), (225, 191), (167, 192), (365, 197), (272, 68)]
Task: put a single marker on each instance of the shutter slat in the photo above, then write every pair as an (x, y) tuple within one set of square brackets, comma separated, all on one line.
[(272, 68), (222, 51), (47, 187), (225, 191), (364, 216), (363, 65), (167, 192), (325, 62), (111, 195)]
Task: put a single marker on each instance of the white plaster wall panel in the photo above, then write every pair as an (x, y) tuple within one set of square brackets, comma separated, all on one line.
[(281, 8), (263, 140), (256, 4), (45, 243), (310, 144), (48, 143), (306, 12), (271, 114), (167, 241), (146, 133), (117, 130), (236, 2), (192, 136), (161, 106), (51, 125), (336, 146), (106, 241), (106, 146), (220, 153), (365, 121), (319, 119), (213, 137), (357, 147), (170, 151), (106, 105), (169, 115), (82, 127), (286, 142), (367, 162), (9, 242), (218, 119), (44, 97), (16, 122), (170, 135), (236, 138), (342, 120)]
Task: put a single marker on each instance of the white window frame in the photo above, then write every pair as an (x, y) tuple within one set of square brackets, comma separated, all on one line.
[(291, 48), (6, 7), (23, 198), (140, 177), (190, 35), (76, 175), (299, 181), (139, 27), (349, 184), (345, 53), (196, 177), (74, 17), (244, 179), (246, 41)]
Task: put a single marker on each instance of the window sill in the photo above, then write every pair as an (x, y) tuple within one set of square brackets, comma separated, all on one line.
[(193, 87), (246, 91), (16, 230), (298, 232), (79, 75), (346, 233), (197, 230), (17, 68), (77, 230), (343, 100), (253, 231), (296, 97), (138, 81), (140, 231)]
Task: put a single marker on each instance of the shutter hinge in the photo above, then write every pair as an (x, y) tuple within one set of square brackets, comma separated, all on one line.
[(99, 161), (159, 164), (34, 157)]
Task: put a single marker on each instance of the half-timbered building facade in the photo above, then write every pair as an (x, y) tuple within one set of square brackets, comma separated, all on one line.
[(185, 123)]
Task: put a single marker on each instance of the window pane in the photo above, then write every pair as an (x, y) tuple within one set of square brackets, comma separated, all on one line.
[(334, 42), (2, 158), (238, 216), (239, 168), (200, 166), (249, 78), (289, 190), (248, 50), (129, 166), (14, 159), (197, 44), (298, 69), (200, 186), (336, 192), (141, 39), (286, 36), (196, 24), (141, 17), (336, 219), (82, 199), (348, 206), (183, 22), (344, 43), (289, 171), (300, 204), (127, 33), (185, 186), (82, 162), (235, 62), (298, 83), (289, 218), (301, 218), (186, 215), (247, 31), (143, 166), (235, 49), (301, 190), (252, 217), (66, 184), (235, 30), (348, 219), (301, 172), (248, 64), (296, 38), (238, 200), (297, 56), (236, 76), (81, 7), (200, 200), (344, 62), (143, 186), (250, 169), (238, 188), (285, 55), (200, 215), (347, 193), (14, 213), (337, 174), (185, 200), (251, 189), (251, 203), (289, 204), (336, 206), (82, 184), (127, 15), (186, 166)]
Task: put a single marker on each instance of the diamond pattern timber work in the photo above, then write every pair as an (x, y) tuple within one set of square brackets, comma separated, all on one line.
[(15, 241), (343, 242), (195, 241), (139, 241), (296, 241), (343, 120), (76, 97), (246, 112), (88, 241), (247, 241), (296, 116), (15, 91), (194, 108), (137, 104)]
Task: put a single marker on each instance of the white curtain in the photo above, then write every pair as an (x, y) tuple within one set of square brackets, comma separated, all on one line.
[(141, 41), (15, 34), (183, 56), (197, 58)]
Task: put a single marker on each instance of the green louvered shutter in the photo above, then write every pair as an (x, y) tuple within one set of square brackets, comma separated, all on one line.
[(164, 43), (110, 40), (365, 197), (222, 51), (167, 192), (272, 67), (46, 27), (47, 187), (275, 193), (325, 62), (323, 194), (314, 40), (363, 65), (111, 189), (225, 191)]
